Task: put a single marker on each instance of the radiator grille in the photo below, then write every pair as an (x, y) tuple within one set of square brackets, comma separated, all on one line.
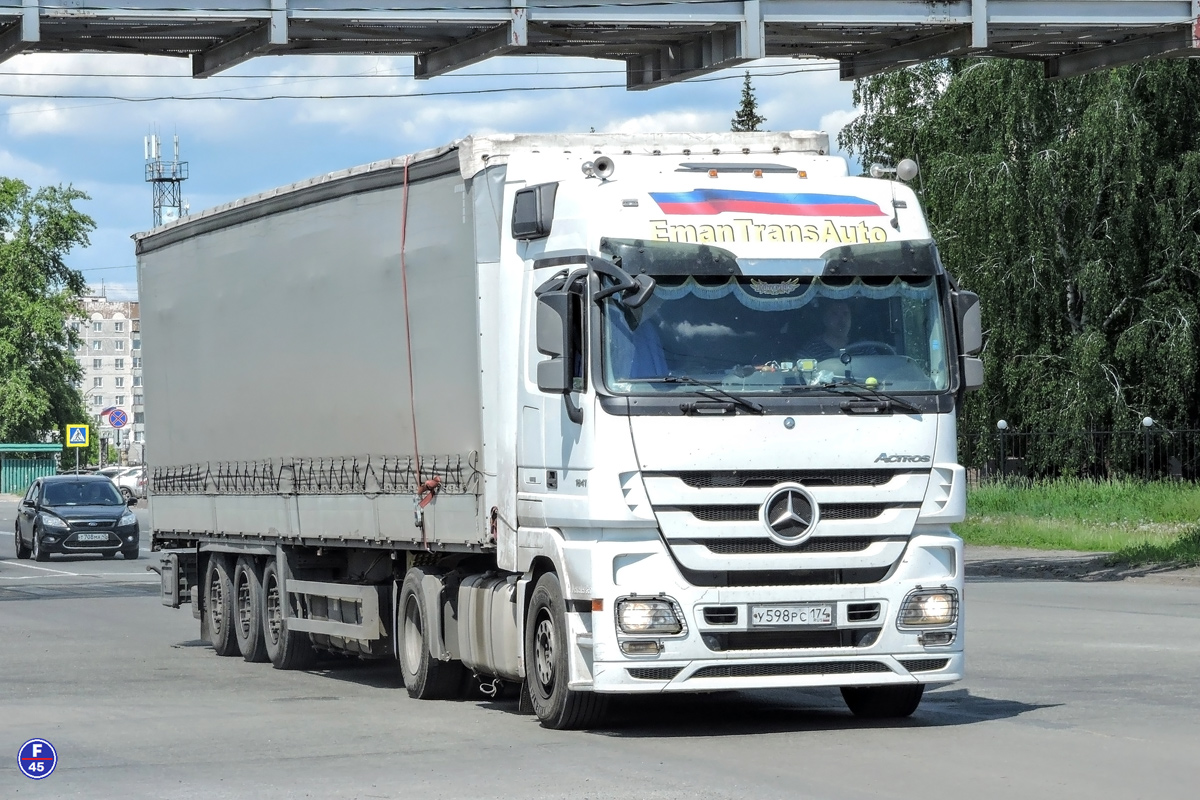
[(862, 612), (923, 664), (736, 478), (653, 673), (825, 544), (791, 640), (741, 513), (773, 670), (721, 615)]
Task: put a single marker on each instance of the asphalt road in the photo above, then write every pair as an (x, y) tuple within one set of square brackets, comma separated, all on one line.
[(1075, 689)]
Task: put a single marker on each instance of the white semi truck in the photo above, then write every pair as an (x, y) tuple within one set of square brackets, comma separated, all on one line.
[(578, 415)]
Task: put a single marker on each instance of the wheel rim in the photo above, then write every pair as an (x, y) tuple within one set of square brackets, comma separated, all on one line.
[(414, 635), (543, 652), (215, 603), (244, 610), (274, 618)]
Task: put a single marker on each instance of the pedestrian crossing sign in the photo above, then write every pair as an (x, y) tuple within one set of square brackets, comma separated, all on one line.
[(77, 436)]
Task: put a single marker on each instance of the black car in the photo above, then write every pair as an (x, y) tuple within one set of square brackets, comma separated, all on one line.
[(74, 514)]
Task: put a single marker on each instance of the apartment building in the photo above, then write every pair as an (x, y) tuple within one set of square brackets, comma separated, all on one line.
[(110, 355)]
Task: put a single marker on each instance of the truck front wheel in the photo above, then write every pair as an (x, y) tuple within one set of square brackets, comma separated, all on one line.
[(883, 702), (425, 677), (285, 648), (218, 605), (546, 668)]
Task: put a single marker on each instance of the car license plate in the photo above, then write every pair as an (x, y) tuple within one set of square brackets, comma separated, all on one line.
[(92, 537), (767, 616)]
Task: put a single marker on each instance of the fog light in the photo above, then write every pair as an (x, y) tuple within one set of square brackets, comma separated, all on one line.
[(129, 538), (650, 648), (928, 608), (49, 539), (936, 638), (651, 615)]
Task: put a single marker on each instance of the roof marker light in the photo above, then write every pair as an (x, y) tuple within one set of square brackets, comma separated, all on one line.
[(758, 173), (802, 174), (712, 173)]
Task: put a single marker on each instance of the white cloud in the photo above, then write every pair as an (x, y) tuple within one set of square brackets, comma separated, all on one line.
[(235, 149), (688, 330)]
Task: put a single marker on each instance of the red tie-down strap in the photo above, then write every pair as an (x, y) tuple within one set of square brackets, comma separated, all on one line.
[(428, 489)]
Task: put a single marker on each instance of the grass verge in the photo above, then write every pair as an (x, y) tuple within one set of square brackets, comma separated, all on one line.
[(1137, 522)]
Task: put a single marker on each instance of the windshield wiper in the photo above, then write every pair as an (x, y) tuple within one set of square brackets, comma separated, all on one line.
[(749, 405), (847, 385)]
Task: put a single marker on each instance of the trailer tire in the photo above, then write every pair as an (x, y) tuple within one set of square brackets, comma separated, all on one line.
[(425, 677), (883, 702), (285, 649), (546, 667), (248, 605), (218, 605)]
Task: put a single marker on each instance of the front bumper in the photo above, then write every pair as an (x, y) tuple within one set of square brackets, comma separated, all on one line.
[(69, 543), (725, 651)]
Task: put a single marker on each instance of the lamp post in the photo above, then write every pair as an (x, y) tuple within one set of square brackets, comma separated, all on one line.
[(1147, 424), (1001, 427)]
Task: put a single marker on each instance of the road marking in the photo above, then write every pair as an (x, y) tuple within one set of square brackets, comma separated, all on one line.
[(136, 578), (44, 569)]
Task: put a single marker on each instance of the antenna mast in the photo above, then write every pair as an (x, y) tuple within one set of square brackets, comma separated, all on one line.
[(166, 179)]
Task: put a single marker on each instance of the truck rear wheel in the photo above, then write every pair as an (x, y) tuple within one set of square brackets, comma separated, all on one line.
[(425, 677), (247, 602), (546, 668), (883, 702), (218, 605), (285, 649)]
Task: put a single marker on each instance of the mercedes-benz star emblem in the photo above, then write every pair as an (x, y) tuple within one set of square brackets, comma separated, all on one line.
[(790, 514)]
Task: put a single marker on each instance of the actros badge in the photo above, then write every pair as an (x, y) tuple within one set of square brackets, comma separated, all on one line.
[(37, 759)]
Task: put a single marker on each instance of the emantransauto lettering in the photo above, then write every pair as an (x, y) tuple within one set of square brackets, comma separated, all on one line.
[(748, 230), (901, 459)]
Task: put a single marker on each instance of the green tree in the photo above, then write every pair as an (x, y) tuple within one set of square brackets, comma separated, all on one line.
[(747, 117), (1073, 208), (38, 292)]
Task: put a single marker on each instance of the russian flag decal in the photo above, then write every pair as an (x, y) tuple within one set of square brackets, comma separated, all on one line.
[(719, 201)]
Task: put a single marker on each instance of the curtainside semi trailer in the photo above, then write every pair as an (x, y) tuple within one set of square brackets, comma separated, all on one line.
[(573, 416)]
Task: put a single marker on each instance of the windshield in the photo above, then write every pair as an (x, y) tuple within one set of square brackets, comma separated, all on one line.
[(776, 334), (82, 493)]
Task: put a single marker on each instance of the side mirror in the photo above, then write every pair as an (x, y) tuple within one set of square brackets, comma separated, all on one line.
[(552, 335), (970, 323), (972, 373), (533, 211), (131, 501), (27, 502)]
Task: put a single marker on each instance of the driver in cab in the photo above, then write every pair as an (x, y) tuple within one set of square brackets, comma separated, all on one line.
[(835, 332)]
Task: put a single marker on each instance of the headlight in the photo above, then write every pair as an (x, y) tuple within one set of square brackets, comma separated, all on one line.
[(53, 523), (128, 518), (655, 615), (929, 608)]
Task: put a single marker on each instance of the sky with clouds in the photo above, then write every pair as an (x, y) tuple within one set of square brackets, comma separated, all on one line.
[(51, 135)]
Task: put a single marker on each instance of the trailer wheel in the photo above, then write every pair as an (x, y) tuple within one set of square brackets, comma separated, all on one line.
[(218, 605), (547, 672), (285, 649), (883, 702), (247, 603), (425, 677)]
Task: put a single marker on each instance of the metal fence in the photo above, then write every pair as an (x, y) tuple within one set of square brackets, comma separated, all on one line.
[(1149, 453)]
